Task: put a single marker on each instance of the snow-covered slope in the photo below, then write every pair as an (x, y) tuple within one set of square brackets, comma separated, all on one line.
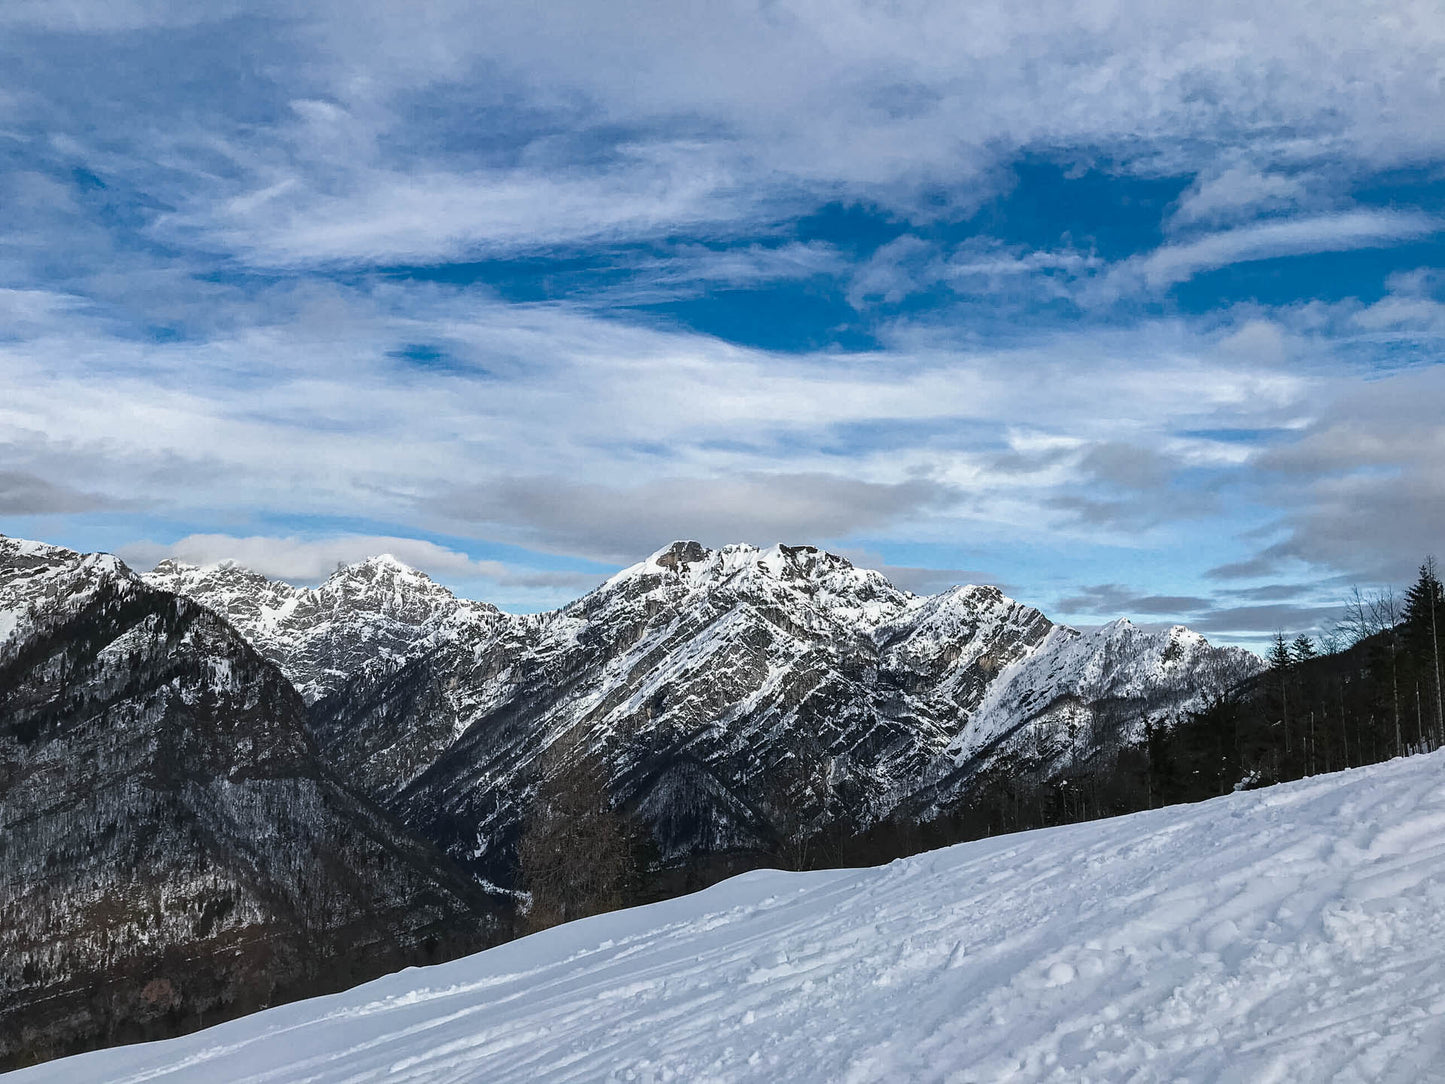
[(367, 617), (1289, 934), (1080, 694)]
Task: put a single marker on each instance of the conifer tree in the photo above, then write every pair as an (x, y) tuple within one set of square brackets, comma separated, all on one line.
[(1302, 649), (1279, 657), (1424, 610)]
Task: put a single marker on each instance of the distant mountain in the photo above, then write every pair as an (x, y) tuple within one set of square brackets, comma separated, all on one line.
[(716, 686), (366, 617), (172, 849)]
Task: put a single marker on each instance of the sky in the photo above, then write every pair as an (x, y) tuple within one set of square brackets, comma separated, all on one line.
[(1132, 308)]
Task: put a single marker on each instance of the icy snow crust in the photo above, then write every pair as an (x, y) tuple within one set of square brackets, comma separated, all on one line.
[(1294, 933)]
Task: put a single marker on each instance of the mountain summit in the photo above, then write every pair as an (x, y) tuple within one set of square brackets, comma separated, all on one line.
[(367, 615)]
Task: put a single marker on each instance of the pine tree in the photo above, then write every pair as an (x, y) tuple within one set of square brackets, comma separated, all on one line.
[(1302, 649), (1279, 658), (1424, 611)]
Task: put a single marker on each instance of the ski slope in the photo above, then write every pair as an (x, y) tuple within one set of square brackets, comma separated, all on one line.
[(1295, 933)]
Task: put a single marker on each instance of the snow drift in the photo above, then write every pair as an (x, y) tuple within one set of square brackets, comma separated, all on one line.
[(1295, 933)]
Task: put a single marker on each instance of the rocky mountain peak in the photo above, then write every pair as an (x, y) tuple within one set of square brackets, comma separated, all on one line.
[(804, 585), (679, 555), (375, 613), (44, 580)]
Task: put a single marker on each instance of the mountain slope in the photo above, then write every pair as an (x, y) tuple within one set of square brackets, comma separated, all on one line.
[(700, 677), (171, 848), (1288, 934), (1081, 696)]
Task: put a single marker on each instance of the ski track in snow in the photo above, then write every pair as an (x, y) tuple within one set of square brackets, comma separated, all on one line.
[(1294, 933)]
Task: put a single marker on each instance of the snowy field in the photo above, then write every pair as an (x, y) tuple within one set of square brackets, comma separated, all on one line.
[(1296, 933)]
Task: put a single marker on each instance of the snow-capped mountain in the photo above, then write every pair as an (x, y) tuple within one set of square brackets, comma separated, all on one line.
[(1291, 934), (1078, 696), (697, 675), (702, 678), (367, 616), (171, 847)]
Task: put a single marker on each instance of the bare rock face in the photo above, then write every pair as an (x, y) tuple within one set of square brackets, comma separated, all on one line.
[(172, 849)]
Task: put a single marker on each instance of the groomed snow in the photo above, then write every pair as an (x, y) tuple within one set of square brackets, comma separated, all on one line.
[(1296, 933)]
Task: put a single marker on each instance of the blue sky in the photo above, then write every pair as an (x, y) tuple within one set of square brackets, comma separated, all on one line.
[(1134, 309)]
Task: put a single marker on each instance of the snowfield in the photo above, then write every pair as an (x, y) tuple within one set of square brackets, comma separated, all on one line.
[(1295, 933)]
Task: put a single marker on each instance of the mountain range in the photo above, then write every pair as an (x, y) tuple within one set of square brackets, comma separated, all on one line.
[(172, 847), (695, 676), (204, 764)]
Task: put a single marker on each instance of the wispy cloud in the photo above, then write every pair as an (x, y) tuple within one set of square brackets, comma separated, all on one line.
[(310, 560), (1239, 191), (1174, 263), (387, 216)]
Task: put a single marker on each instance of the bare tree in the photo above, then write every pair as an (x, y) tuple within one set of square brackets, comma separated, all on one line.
[(1383, 610), (1359, 620)]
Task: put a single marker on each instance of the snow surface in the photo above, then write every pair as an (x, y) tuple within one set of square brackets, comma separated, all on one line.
[(1294, 933)]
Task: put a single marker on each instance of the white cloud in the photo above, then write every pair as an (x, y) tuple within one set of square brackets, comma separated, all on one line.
[(1237, 192), (1174, 263), (425, 215), (606, 125), (368, 133), (746, 266), (311, 560), (310, 416)]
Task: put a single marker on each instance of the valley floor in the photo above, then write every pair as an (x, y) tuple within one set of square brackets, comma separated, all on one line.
[(1294, 933)]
